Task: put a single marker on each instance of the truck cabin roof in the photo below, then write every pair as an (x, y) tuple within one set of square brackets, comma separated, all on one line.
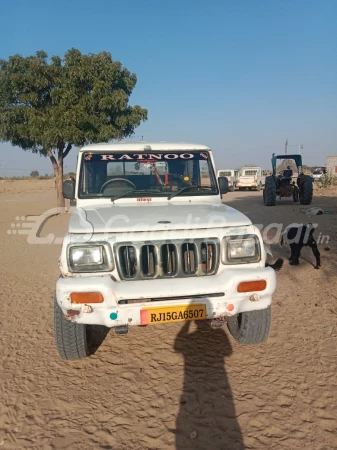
[(144, 147)]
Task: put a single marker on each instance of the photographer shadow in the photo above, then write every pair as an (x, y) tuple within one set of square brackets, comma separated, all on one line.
[(207, 419)]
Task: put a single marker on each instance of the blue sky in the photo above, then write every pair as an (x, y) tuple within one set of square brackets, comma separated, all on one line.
[(240, 75)]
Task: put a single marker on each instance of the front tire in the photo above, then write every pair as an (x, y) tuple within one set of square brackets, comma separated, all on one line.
[(250, 327), (270, 192), (306, 190), (71, 338)]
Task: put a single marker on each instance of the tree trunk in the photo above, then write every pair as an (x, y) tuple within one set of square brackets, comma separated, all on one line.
[(58, 171), (59, 185)]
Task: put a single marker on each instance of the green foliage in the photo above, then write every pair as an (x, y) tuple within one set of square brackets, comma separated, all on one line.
[(34, 174), (326, 180), (48, 104)]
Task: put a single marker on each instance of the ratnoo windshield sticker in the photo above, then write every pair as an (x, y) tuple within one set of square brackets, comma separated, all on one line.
[(148, 157)]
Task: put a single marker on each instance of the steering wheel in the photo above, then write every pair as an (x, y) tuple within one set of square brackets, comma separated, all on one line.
[(181, 178), (123, 180)]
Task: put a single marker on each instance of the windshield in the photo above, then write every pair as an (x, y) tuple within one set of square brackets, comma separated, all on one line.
[(249, 172), (146, 174), (225, 173), (317, 172)]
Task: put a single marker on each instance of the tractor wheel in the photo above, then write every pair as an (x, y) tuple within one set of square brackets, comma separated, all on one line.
[(306, 190), (270, 192)]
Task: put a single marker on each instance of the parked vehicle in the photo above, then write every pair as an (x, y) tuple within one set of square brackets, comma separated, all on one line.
[(317, 174), (251, 178), (282, 184), (151, 247), (231, 175)]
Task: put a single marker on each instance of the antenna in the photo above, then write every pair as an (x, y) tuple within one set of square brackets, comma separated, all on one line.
[(286, 146)]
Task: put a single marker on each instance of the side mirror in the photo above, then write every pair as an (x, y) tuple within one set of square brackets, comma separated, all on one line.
[(69, 189), (223, 185)]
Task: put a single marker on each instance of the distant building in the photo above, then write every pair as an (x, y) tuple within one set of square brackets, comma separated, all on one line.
[(331, 165)]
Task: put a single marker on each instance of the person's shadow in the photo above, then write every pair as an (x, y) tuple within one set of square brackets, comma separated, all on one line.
[(206, 420)]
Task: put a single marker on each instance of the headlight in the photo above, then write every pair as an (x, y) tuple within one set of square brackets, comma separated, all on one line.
[(245, 249), (90, 258)]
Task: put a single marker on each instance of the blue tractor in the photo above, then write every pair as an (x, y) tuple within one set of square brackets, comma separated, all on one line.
[(282, 185)]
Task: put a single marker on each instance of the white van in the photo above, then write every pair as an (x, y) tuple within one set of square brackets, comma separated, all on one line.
[(251, 178), (232, 176)]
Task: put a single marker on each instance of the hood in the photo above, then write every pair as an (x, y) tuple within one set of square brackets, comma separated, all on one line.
[(155, 217)]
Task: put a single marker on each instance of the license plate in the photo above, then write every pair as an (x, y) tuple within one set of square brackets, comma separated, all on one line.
[(172, 314)]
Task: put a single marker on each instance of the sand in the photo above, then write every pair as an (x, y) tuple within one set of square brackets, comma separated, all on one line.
[(170, 386)]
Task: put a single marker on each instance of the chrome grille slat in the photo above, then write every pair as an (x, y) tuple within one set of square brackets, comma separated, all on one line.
[(127, 257), (163, 259), (190, 257), (169, 268), (169, 259), (148, 257)]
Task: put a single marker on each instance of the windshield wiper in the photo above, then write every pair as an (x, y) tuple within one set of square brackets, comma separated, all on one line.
[(133, 191), (186, 188)]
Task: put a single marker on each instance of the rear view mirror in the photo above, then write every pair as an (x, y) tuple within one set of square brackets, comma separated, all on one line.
[(69, 189), (223, 185)]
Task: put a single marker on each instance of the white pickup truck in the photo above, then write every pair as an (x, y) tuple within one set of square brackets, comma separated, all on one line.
[(151, 242), (231, 175), (251, 178)]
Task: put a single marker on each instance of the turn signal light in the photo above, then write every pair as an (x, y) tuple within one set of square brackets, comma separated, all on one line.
[(86, 297), (252, 286)]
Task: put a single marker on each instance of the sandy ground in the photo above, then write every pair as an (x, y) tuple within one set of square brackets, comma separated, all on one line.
[(167, 387)]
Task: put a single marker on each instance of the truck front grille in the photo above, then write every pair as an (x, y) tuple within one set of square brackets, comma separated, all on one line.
[(136, 261)]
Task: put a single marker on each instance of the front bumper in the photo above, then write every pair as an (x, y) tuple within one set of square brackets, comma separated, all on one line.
[(111, 314)]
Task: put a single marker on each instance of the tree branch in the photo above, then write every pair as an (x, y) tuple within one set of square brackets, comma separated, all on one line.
[(67, 150), (52, 158)]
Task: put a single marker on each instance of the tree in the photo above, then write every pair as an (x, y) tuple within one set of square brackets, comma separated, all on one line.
[(34, 174), (48, 107)]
